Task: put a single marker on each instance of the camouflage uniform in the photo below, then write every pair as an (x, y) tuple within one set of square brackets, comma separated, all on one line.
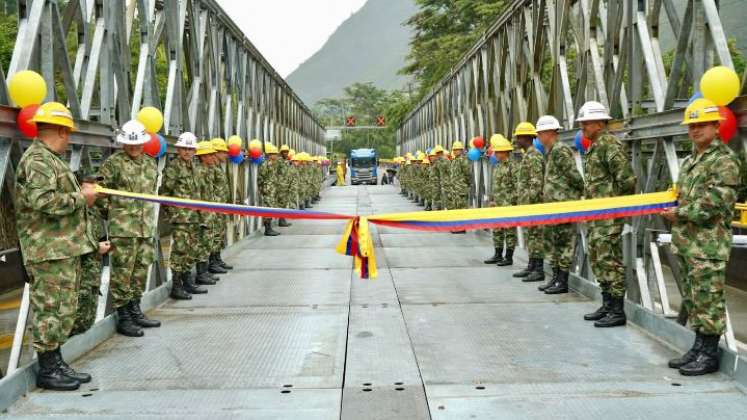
[(222, 194), (608, 174), (292, 186), (208, 220), (90, 280), (456, 189), (702, 235), (435, 172), (267, 182), (180, 179), (131, 224), (529, 186), (504, 195), (52, 226), (563, 182)]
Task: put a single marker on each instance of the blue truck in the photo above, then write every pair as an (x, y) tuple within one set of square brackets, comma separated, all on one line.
[(363, 167)]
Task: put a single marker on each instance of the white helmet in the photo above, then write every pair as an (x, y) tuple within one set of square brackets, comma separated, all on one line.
[(548, 123), (593, 111), (133, 133), (187, 140)]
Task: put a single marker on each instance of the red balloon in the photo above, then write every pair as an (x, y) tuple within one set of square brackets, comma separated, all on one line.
[(255, 153), (26, 127), (234, 150), (152, 147), (479, 142), (728, 128)]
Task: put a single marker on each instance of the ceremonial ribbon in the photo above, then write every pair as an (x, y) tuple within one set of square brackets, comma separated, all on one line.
[(358, 242)]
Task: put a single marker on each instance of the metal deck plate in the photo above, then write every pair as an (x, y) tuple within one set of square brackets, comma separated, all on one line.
[(448, 256), (373, 291), (385, 403), (305, 259)]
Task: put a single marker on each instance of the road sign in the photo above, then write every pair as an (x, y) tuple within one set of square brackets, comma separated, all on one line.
[(381, 121), (350, 121)]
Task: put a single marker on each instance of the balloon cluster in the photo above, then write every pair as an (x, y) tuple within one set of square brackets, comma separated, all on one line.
[(152, 120), (235, 154), (582, 143), (474, 154), (27, 89), (720, 85), (255, 152)]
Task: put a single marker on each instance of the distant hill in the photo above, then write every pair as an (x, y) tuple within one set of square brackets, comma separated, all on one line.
[(370, 46)]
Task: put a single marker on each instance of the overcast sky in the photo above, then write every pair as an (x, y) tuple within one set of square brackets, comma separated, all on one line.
[(287, 32)]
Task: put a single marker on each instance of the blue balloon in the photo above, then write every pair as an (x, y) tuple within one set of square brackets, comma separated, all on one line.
[(696, 95), (238, 159), (537, 145), (473, 154), (164, 146), (494, 160), (259, 160)]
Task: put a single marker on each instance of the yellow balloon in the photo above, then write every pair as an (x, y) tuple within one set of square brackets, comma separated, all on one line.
[(27, 88), (255, 144), (234, 140), (151, 118), (720, 84)]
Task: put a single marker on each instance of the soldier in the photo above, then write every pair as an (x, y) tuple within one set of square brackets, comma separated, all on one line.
[(608, 174), (416, 176), (180, 179), (529, 186), (297, 162), (504, 195), (286, 181), (456, 188), (207, 156), (563, 182), (222, 194), (267, 182), (702, 234), (52, 226), (132, 226), (429, 180)]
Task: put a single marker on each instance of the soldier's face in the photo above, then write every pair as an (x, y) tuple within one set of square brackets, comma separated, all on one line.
[(702, 134), (185, 154), (285, 155), (592, 129), (547, 138), (502, 156), (222, 156), (524, 141), (457, 152), (133, 151), (274, 157)]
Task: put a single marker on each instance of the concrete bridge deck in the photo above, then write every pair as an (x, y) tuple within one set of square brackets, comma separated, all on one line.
[(292, 333)]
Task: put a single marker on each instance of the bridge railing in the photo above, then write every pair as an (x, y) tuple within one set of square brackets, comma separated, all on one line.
[(108, 58)]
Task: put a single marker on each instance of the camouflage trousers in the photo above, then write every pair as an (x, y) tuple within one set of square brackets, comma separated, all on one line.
[(204, 244), (560, 243), (456, 201), (88, 292), (184, 243), (218, 232), (535, 241), (704, 298), (54, 300), (605, 254), (130, 259), (507, 236)]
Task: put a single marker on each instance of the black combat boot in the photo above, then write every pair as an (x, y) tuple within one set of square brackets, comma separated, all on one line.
[(268, 227), (81, 377), (615, 316), (139, 317), (215, 267), (561, 284), (50, 374), (602, 311), (428, 207), (691, 354), (223, 263), (125, 324), (538, 274), (284, 223), (508, 259), (308, 204), (706, 361), (203, 275), (527, 271), (177, 287), (496, 258), (302, 206), (555, 271), (190, 286)]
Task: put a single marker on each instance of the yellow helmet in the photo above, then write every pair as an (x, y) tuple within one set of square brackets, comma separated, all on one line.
[(426, 161), (408, 155), (701, 110), (219, 144), (438, 149), (204, 148), (54, 113), (432, 152), (500, 144), (525, 129), (284, 148), (271, 149), (458, 145)]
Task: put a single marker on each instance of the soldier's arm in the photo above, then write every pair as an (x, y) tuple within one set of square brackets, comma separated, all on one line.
[(620, 169), (44, 194), (535, 174), (720, 195), (569, 167)]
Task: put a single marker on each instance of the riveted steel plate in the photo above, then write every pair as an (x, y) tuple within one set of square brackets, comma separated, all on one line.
[(285, 243), (273, 259), (384, 403), (373, 291), (451, 256)]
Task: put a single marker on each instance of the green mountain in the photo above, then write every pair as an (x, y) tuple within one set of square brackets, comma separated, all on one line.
[(370, 46)]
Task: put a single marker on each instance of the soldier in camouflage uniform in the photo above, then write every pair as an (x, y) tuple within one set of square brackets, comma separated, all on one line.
[(416, 177), (268, 183), (563, 182), (504, 195), (702, 234), (52, 226), (206, 183), (296, 191), (531, 172), (131, 226), (180, 179), (608, 174), (286, 183), (457, 184), (222, 194)]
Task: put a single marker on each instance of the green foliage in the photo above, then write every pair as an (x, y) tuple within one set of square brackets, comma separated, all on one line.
[(8, 30)]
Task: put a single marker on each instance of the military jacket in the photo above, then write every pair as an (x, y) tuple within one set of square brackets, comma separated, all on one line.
[(504, 183), (460, 176), (531, 177), (180, 180), (267, 183), (562, 180)]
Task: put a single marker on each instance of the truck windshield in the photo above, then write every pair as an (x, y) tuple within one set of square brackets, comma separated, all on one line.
[(363, 162)]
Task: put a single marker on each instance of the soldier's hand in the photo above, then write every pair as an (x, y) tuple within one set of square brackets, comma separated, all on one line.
[(104, 247), (89, 192), (670, 214)]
